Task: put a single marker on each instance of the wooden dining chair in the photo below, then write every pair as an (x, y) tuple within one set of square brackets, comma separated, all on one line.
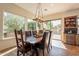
[(49, 41), (27, 33), (22, 48), (34, 32), (40, 31), (41, 45)]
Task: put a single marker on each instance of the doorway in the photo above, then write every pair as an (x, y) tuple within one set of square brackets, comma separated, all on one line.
[(56, 28), (57, 34)]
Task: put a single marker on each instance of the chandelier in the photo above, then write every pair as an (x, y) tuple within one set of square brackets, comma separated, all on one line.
[(39, 13)]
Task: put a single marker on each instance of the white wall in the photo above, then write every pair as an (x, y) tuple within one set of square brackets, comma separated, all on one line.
[(1, 25), (7, 43)]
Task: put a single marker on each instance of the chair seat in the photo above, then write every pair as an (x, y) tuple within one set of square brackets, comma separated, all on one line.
[(39, 45), (27, 46), (25, 49)]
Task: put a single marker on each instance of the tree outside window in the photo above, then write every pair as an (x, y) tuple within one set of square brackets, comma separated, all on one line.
[(31, 26), (47, 25), (12, 22)]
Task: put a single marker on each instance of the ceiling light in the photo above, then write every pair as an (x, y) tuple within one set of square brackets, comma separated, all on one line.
[(39, 13)]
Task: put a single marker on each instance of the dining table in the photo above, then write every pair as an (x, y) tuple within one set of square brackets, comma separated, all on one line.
[(34, 40)]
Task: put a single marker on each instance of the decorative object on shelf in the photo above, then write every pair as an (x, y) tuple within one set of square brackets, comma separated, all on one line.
[(39, 13), (70, 21)]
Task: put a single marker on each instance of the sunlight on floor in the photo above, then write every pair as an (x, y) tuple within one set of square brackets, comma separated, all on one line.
[(58, 44)]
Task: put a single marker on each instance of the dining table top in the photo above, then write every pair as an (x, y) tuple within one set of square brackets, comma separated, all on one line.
[(33, 40)]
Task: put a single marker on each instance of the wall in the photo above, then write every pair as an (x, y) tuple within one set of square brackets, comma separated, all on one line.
[(7, 43), (1, 25), (13, 9)]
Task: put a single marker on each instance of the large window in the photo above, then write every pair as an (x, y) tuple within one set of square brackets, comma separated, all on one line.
[(11, 22), (55, 26)]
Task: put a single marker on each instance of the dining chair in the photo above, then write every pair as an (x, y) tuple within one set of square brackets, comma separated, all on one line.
[(27, 33), (34, 32), (40, 31), (22, 47), (41, 45), (49, 41)]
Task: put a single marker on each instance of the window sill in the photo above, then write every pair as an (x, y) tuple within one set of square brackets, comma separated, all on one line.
[(8, 38)]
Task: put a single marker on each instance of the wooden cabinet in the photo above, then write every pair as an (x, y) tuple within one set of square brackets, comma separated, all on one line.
[(71, 39), (77, 39), (70, 29)]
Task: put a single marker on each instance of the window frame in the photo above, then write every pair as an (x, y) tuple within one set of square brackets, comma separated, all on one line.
[(12, 37)]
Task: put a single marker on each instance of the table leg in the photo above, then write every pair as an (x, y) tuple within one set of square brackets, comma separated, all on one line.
[(34, 50)]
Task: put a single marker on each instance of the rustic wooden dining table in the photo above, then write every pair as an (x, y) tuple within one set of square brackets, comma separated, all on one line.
[(33, 40)]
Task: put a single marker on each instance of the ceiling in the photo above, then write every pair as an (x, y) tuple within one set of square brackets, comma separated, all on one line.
[(49, 8)]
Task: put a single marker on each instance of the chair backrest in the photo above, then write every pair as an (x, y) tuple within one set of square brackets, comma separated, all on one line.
[(47, 38), (34, 32), (27, 33), (19, 38), (50, 34), (44, 38), (40, 31)]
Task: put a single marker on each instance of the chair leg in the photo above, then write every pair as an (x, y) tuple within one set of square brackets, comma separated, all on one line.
[(17, 52), (48, 50), (23, 53), (43, 52), (36, 52)]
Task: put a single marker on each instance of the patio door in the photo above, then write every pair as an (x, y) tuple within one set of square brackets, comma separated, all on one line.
[(56, 28)]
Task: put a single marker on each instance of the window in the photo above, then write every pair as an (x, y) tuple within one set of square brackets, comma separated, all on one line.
[(56, 26), (31, 24), (47, 25), (78, 21), (39, 25), (34, 25), (12, 22), (78, 26)]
